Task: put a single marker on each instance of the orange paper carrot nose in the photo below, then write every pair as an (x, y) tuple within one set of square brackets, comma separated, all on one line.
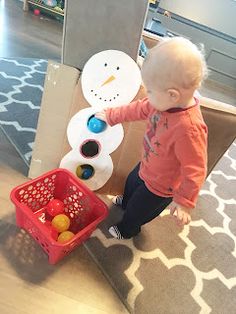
[(109, 80)]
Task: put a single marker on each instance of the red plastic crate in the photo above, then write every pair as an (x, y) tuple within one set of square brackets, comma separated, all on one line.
[(83, 207)]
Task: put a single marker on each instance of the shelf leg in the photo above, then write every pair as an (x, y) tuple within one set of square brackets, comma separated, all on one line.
[(25, 5)]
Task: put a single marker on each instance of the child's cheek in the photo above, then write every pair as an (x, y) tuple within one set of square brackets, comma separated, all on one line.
[(153, 102)]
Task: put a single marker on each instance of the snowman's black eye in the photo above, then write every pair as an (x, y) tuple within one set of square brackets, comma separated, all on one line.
[(105, 65), (118, 68)]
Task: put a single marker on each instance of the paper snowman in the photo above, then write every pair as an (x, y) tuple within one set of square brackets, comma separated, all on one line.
[(109, 79)]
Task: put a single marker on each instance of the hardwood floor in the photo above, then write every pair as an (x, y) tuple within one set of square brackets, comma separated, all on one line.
[(28, 283), (22, 34)]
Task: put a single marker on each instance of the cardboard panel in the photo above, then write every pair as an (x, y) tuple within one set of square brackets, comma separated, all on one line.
[(92, 26), (221, 132), (56, 108)]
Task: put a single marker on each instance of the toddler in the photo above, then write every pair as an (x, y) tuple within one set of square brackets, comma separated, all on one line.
[(174, 160)]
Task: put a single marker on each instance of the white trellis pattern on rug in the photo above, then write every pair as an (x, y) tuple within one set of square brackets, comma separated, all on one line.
[(21, 88), (168, 270)]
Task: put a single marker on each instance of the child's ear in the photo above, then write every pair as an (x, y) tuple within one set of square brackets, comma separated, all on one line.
[(174, 95)]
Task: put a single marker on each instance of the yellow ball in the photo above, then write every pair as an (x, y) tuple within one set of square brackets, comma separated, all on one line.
[(61, 222), (79, 172), (65, 236)]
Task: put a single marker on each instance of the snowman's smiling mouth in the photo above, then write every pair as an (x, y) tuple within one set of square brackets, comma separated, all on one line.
[(99, 97), (110, 79)]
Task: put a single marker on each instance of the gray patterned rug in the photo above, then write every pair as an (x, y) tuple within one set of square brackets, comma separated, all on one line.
[(167, 270), (21, 87)]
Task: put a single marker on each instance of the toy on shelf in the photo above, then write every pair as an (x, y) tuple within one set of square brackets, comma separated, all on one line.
[(54, 8), (36, 12), (50, 3)]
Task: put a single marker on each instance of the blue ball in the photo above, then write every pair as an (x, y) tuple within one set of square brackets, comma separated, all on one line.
[(96, 125), (87, 173)]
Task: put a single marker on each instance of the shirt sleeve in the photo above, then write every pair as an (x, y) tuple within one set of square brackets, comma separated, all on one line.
[(137, 110), (191, 152)]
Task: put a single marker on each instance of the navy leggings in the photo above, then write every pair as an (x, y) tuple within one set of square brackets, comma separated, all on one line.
[(139, 204)]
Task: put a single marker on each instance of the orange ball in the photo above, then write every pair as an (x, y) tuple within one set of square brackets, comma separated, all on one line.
[(65, 236), (61, 222)]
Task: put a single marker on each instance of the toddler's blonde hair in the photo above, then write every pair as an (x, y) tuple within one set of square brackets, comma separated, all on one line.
[(175, 63)]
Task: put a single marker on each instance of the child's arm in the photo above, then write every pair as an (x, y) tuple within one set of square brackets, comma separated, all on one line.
[(191, 152), (137, 110)]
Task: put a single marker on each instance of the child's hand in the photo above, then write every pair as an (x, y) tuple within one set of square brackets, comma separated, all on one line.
[(182, 214), (101, 115)]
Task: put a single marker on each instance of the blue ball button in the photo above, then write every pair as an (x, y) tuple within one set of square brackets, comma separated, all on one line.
[(87, 173), (96, 125)]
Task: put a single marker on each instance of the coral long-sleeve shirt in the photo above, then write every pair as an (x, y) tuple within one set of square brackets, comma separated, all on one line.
[(174, 157)]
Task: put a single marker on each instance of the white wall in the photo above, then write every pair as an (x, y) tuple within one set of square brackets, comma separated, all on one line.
[(217, 14)]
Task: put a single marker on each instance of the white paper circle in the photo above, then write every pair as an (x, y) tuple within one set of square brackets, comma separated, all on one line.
[(110, 78), (78, 132), (102, 165)]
